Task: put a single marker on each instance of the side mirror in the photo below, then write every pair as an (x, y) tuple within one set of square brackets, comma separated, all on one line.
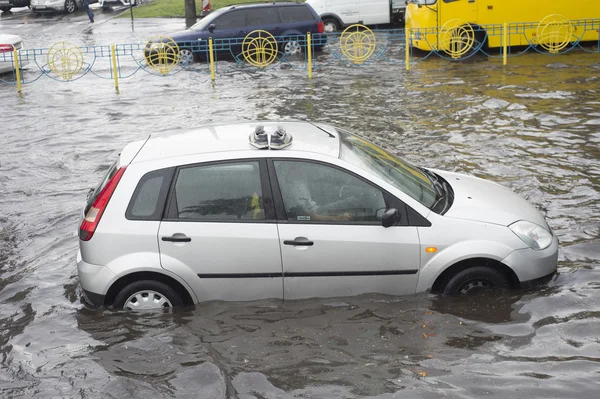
[(390, 217), (211, 28)]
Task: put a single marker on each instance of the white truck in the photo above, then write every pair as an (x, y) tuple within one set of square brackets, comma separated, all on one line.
[(337, 14)]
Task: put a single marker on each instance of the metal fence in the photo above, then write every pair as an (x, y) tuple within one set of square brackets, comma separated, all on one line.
[(357, 46)]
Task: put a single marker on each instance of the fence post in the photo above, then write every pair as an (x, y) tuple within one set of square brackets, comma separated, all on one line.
[(309, 54), (407, 45), (505, 43), (211, 57), (113, 53), (17, 69)]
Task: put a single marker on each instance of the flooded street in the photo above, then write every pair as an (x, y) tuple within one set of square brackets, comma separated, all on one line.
[(533, 126)]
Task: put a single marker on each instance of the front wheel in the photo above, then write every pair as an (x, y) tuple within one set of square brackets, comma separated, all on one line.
[(70, 6), (478, 278), (147, 295)]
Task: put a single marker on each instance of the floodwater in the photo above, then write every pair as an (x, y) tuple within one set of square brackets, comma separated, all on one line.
[(533, 126)]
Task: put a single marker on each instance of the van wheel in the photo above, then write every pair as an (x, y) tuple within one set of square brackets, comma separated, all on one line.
[(146, 295), (331, 25), (478, 278)]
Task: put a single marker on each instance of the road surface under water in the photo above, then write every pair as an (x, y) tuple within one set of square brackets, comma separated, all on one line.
[(533, 126)]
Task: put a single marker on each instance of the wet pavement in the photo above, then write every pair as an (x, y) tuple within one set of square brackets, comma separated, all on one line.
[(533, 126)]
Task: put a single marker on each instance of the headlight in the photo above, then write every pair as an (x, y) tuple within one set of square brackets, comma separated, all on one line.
[(535, 236)]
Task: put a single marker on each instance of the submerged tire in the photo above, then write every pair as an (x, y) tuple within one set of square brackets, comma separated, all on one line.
[(147, 295), (478, 278)]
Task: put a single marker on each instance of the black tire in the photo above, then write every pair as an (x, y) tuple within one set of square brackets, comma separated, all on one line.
[(70, 6), (478, 278), (161, 289), (332, 24), (5, 9)]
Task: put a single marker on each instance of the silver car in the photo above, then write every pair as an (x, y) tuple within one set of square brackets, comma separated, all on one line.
[(186, 217)]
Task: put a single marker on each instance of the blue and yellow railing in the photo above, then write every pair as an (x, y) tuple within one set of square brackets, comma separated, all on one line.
[(356, 46)]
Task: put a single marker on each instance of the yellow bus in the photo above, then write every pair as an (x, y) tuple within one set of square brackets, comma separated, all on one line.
[(460, 26)]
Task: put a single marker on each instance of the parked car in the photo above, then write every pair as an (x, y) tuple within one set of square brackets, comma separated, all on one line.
[(201, 215), (286, 21), (337, 14), (108, 4), (8, 43), (7, 5), (66, 6)]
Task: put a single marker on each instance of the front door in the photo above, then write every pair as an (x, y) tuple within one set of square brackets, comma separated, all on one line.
[(229, 33), (332, 240), (220, 234)]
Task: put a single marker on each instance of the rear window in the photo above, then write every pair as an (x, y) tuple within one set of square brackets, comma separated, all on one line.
[(93, 193), (148, 199), (262, 16), (295, 14)]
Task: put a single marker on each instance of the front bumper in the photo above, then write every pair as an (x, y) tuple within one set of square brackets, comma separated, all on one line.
[(94, 279), (530, 265)]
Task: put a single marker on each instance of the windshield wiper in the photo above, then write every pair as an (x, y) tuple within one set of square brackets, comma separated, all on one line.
[(441, 190)]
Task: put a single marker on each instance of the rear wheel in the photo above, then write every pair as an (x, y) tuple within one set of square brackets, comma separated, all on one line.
[(70, 6), (291, 48), (186, 56), (147, 295), (478, 278), (331, 25)]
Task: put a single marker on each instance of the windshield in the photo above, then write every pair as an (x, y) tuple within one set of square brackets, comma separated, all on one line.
[(423, 2), (396, 172), (209, 19)]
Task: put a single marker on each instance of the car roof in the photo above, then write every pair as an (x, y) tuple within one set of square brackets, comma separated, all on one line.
[(232, 137), (264, 4)]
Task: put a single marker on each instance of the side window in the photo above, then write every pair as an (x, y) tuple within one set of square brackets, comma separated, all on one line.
[(148, 199), (219, 192), (231, 20), (262, 16), (315, 192), (295, 14)]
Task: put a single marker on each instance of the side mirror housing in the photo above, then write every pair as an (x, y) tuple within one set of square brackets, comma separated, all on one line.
[(390, 217), (211, 28)]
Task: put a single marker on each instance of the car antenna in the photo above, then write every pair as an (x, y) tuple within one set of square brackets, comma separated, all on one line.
[(318, 127)]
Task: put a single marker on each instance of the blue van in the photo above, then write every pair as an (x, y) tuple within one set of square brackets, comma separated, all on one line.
[(228, 26)]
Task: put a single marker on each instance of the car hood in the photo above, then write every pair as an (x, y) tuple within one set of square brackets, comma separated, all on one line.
[(485, 201), (5, 38)]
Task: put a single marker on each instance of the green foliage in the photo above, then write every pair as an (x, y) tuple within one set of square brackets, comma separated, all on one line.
[(176, 8)]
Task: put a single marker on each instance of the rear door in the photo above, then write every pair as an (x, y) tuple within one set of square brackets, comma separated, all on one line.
[(374, 12), (263, 18), (219, 232), (298, 19), (332, 239)]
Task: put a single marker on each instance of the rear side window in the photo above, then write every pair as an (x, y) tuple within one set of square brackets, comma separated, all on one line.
[(231, 20), (148, 199), (93, 193), (218, 192), (295, 14), (262, 16)]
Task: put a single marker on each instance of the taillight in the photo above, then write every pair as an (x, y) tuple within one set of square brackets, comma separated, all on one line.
[(5, 48), (92, 218), (321, 27)]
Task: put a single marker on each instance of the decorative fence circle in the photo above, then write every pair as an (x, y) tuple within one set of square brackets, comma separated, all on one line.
[(162, 54), (259, 48), (456, 38), (554, 33), (65, 60), (358, 43)]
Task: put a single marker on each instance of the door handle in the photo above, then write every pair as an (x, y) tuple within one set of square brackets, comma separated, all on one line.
[(176, 239), (299, 243)]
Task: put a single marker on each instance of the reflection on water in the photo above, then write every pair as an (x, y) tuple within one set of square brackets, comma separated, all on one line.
[(532, 125)]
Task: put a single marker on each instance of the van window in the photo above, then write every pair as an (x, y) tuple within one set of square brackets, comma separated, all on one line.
[(295, 14), (219, 192), (231, 20), (262, 16)]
